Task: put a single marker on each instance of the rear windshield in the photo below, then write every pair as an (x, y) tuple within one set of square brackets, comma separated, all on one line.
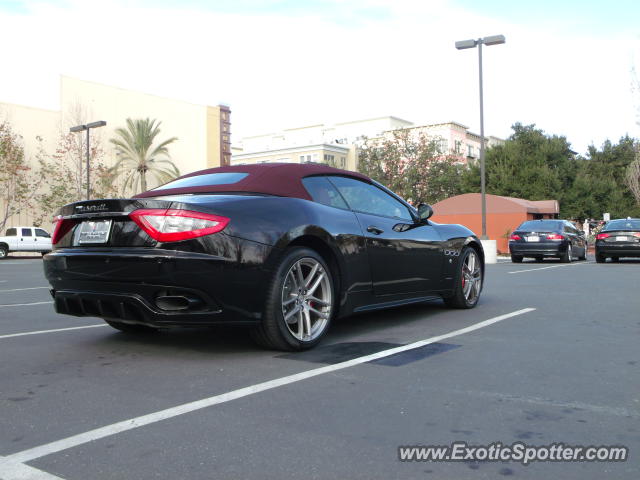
[(623, 225), (208, 179), (539, 226)]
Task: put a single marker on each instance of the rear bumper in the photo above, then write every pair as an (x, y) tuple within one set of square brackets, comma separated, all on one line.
[(126, 286), (610, 248), (538, 249)]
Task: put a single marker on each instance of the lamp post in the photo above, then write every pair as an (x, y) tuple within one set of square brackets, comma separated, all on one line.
[(87, 127), (463, 45)]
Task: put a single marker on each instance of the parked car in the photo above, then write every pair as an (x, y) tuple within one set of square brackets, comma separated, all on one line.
[(285, 248), (25, 239), (618, 238), (540, 239)]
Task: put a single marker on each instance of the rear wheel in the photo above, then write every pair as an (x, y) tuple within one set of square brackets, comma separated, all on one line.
[(615, 259), (468, 281), (130, 328), (300, 302), (516, 258), (539, 259), (3, 252), (600, 258), (568, 255)]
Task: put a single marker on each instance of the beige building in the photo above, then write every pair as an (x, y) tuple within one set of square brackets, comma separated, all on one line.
[(204, 136), (330, 143)]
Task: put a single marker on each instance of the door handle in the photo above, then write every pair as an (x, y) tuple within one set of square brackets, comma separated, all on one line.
[(374, 230)]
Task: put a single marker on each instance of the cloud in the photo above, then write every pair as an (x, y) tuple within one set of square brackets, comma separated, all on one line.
[(279, 64)]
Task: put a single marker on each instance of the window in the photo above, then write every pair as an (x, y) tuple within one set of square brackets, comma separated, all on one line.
[(305, 158), (628, 224), (11, 232), (322, 191), (26, 232), (41, 233), (443, 146), (367, 198), (469, 150), (204, 180), (330, 159), (458, 146), (343, 162), (540, 226)]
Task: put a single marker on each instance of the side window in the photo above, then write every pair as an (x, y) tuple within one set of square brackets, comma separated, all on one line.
[(11, 232), (322, 191), (367, 198), (26, 232), (41, 233)]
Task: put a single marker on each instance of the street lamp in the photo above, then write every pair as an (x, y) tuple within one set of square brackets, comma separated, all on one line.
[(463, 45), (87, 127)]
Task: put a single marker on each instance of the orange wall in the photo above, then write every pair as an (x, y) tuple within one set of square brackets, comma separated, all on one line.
[(497, 225)]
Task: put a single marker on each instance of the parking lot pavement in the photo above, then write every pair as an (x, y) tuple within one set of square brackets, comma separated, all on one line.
[(96, 403)]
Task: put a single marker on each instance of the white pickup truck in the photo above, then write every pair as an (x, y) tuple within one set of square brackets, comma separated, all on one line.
[(25, 239)]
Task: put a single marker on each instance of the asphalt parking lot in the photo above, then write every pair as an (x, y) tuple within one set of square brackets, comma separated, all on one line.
[(549, 355)]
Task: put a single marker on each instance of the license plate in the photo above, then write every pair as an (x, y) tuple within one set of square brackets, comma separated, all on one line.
[(533, 238), (622, 239), (94, 232)]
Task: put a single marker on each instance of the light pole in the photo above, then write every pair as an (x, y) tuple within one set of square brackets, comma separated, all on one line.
[(87, 127), (462, 45)]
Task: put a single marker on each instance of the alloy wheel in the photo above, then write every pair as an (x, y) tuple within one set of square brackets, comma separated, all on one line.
[(471, 277), (307, 299)]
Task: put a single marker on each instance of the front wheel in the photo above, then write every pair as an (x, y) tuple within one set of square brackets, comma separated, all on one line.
[(300, 303), (468, 280)]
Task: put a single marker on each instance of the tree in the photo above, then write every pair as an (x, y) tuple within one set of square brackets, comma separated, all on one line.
[(633, 177), (139, 157), (65, 177), (411, 165), (17, 185)]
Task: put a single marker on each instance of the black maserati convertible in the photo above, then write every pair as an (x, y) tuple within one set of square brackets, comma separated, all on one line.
[(284, 248)]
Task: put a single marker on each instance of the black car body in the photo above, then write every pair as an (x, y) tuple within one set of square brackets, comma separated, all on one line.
[(618, 238), (212, 247), (544, 238)]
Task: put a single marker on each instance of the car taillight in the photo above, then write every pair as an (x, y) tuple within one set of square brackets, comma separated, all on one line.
[(177, 225), (636, 234), (61, 228), (515, 237), (602, 236), (555, 236)]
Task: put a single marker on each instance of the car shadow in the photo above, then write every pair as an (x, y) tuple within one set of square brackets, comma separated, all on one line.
[(221, 340)]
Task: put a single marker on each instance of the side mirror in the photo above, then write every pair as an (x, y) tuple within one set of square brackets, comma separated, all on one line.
[(424, 211)]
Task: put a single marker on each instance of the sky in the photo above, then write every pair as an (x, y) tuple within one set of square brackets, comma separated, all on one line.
[(566, 66)]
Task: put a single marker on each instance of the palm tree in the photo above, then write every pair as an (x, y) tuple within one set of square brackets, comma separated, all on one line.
[(139, 157)]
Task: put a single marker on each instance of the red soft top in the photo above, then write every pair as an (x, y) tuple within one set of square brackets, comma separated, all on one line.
[(282, 179)]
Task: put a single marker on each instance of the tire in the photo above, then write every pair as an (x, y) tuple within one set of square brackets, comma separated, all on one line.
[(539, 259), (300, 303), (567, 257), (4, 252), (600, 258), (615, 259), (130, 328), (465, 296), (516, 258)]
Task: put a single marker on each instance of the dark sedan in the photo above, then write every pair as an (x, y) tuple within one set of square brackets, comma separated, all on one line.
[(284, 248), (618, 238), (539, 239)]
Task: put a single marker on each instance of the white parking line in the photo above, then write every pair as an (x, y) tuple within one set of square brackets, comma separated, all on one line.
[(551, 266), (18, 262), (98, 433), (20, 289), (20, 471), (24, 304), (38, 332)]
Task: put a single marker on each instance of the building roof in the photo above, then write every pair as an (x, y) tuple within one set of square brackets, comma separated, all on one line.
[(281, 179), (470, 203)]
